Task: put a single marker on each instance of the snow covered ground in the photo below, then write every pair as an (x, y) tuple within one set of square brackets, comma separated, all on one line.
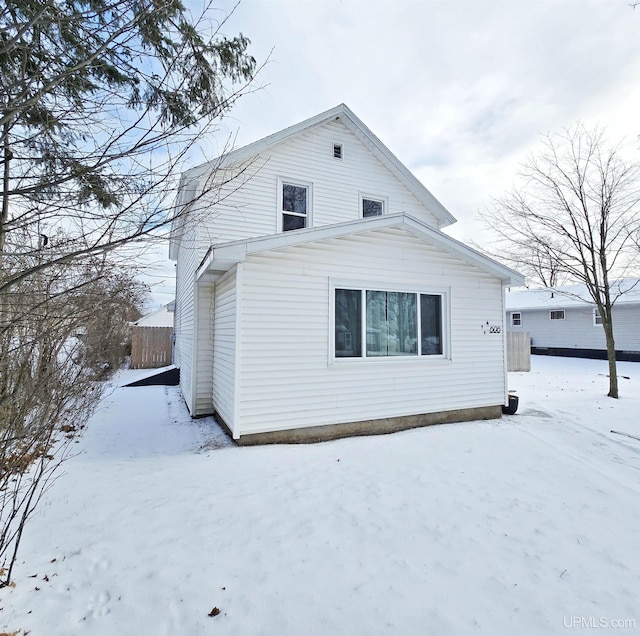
[(525, 525)]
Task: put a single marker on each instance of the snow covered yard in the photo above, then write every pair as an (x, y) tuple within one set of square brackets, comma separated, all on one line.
[(525, 525)]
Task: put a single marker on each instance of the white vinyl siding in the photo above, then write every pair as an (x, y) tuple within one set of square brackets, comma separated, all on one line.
[(204, 350), (287, 377), (626, 327), (577, 331), (252, 209), (249, 205), (224, 347), (184, 320)]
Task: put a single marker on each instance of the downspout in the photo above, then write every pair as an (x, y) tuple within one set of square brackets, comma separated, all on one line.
[(504, 344)]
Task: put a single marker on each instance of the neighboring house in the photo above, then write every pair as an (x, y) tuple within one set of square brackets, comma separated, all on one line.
[(564, 321), (317, 296), (162, 317), (151, 339)]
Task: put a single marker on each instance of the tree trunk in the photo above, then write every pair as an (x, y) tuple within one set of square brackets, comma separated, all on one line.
[(611, 355), (4, 206)]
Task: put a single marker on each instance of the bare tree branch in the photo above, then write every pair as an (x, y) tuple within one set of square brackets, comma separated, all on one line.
[(102, 104), (575, 218)]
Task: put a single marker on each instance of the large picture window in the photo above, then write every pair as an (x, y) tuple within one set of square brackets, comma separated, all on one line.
[(375, 323)]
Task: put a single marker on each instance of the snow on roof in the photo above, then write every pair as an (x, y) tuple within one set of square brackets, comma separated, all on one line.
[(626, 291), (162, 317)]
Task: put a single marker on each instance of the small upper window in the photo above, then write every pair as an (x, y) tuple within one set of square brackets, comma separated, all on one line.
[(295, 199), (597, 318), (372, 207), (516, 319), (557, 314), (337, 151)]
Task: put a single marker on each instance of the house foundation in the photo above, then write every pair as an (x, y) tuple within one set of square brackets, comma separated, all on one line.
[(384, 426)]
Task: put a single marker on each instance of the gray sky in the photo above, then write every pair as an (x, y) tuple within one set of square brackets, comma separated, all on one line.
[(459, 91)]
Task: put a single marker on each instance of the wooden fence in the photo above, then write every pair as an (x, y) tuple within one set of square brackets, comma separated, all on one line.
[(518, 351), (150, 347)]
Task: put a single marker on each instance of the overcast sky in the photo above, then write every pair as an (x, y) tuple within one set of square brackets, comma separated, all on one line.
[(459, 91)]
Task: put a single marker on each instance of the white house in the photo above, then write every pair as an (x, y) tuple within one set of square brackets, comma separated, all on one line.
[(564, 321), (318, 297), (162, 317)]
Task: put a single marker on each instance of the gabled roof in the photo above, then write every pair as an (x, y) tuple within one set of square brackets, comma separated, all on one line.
[(359, 130), (626, 291), (221, 258)]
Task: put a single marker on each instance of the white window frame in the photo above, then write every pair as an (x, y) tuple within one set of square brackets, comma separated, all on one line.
[(282, 181), (557, 311), (333, 150), (513, 319), (596, 317), (444, 292), (372, 197)]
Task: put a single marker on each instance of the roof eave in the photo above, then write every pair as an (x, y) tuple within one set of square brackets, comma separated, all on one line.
[(221, 258)]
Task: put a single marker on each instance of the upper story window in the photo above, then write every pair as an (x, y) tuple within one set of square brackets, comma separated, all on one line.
[(556, 314), (337, 151), (372, 206), (294, 204), (597, 318), (516, 319)]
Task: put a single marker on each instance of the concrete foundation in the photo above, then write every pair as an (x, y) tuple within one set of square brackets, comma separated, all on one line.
[(367, 427)]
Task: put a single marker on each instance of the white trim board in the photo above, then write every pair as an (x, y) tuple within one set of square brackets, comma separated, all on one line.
[(221, 258)]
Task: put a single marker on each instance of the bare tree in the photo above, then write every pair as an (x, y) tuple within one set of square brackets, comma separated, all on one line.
[(60, 333), (101, 103), (574, 218)]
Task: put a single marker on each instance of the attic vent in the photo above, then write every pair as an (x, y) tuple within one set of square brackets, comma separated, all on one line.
[(337, 151)]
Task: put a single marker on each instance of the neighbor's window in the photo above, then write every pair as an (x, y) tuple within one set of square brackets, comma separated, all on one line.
[(372, 207), (295, 206), (392, 323), (557, 314), (597, 318), (516, 319)]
